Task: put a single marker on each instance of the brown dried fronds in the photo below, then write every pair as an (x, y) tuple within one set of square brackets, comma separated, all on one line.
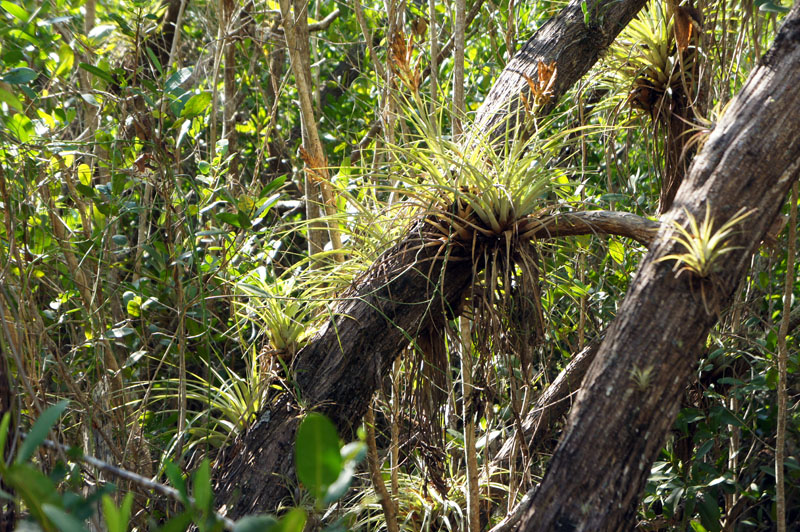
[(402, 51), (315, 167), (646, 96), (542, 88), (687, 23)]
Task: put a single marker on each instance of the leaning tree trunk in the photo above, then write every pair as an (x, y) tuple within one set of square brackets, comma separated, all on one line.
[(630, 396), (414, 283)]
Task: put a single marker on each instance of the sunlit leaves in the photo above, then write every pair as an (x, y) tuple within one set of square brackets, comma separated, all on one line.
[(9, 99), (97, 71), (196, 105), (14, 9), (65, 61), (21, 127)]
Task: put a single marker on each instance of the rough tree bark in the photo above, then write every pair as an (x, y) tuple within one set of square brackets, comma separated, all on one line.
[(7, 507), (414, 282), (630, 396), (565, 39)]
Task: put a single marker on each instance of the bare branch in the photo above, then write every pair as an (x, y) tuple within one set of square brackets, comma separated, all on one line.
[(593, 222)]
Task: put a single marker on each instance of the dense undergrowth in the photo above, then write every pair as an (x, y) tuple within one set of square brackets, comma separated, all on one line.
[(155, 268)]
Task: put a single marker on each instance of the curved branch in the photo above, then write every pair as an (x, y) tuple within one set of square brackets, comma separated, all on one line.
[(617, 223)]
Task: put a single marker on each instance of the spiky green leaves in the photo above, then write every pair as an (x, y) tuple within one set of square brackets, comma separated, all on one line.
[(703, 245), (474, 186)]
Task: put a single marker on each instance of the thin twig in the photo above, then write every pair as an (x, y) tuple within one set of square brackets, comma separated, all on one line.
[(389, 509), (130, 476)]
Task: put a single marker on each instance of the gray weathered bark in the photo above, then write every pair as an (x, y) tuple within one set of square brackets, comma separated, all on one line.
[(631, 394)]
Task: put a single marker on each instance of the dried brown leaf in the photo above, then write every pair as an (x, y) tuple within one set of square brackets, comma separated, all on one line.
[(316, 168)]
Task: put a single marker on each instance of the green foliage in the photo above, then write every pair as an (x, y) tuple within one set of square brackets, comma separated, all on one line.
[(324, 468), (155, 273), (704, 246)]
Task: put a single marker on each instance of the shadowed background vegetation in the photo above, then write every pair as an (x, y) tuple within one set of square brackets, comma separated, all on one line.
[(177, 224)]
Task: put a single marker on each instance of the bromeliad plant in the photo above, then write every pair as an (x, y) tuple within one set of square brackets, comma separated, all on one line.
[(471, 186), (703, 245), (646, 57), (283, 315), (704, 248)]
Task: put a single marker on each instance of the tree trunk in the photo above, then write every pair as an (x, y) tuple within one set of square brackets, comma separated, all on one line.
[(418, 280), (630, 396), (565, 39)]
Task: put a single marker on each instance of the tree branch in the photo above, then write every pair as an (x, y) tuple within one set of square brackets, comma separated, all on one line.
[(593, 222)]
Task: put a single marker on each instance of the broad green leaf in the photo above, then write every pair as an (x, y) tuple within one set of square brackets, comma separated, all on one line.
[(709, 512), (703, 450), (176, 479), (317, 456), (32, 487), (772, 7), (255, 523), (11, 100), (229, 218), (294, 521), (99, 72), (179, 523), (617, 251), (3, 436), (178, 78), (16, 10), (85, 175), (155, 61), (47, 117), (197, 105), (63, 521), (244, 220), (39, 431), (724, 416), (273, 185), (202, 486), (119, 332), (19, 76), (122, 24), (697, 527), (86, 190), (66, 60), (117, 519)]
